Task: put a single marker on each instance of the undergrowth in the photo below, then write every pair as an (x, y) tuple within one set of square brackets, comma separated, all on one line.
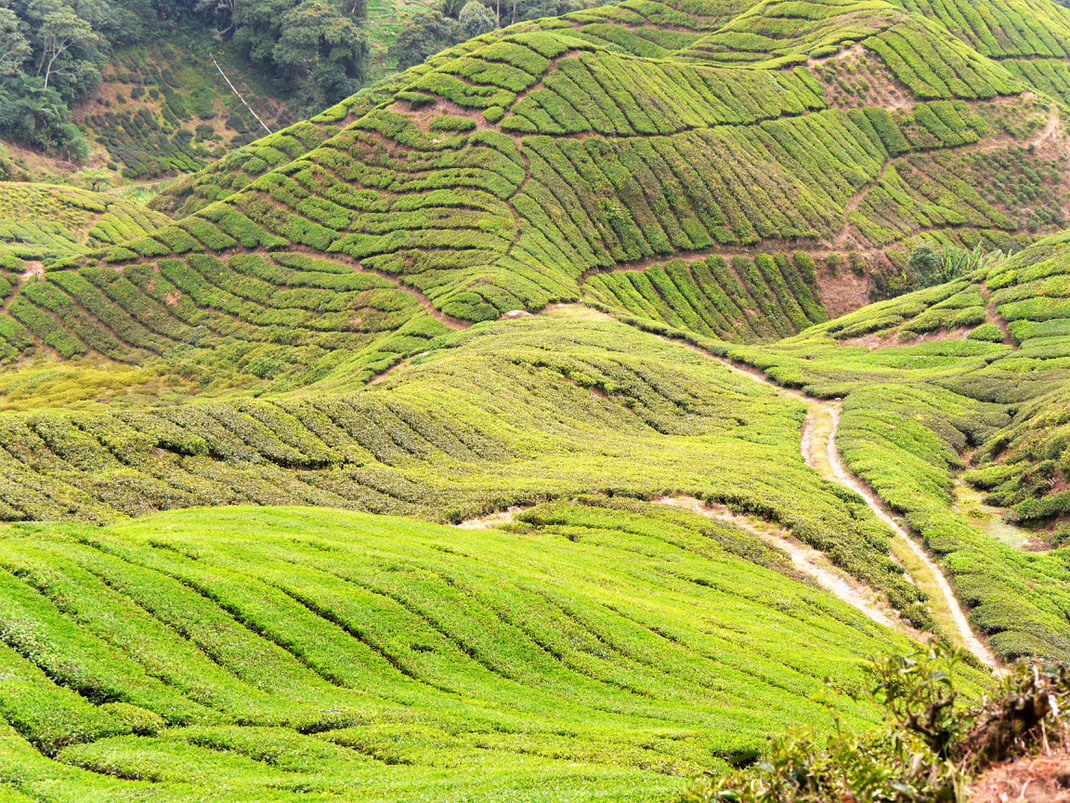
[(933, 742)]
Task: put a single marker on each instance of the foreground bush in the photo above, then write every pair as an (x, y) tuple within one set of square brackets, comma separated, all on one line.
[(929, 749)]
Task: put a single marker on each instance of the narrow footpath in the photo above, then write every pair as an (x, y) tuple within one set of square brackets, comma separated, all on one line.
[(818, 446)]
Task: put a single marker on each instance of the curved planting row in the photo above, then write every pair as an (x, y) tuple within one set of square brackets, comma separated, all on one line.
[(742, 299), (253, 315), (491, 417), (373, 658)]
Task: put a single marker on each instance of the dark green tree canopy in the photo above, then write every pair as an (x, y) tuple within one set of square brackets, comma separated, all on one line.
[(426, 34)]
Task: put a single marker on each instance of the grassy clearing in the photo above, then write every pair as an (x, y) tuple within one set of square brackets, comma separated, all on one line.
[(296, 653)]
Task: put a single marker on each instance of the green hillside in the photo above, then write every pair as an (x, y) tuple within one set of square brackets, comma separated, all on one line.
[(292, 654), (482, 187), (164, 109), (961, 385), (547, 421), (44, 223)]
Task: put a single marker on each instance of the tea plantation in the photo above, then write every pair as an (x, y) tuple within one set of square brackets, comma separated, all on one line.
[(969, 376), (294, 653), (415, 452), (45, 223)]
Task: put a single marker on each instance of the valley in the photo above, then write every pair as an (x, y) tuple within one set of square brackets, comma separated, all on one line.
[(582, 413)]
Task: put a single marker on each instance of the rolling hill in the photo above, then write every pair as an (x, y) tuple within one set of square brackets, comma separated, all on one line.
[(536, 425), (374, 658), (475, 186)]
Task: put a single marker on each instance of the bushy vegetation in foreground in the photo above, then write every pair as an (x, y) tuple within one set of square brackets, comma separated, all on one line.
[(932, 746), (593, 651)]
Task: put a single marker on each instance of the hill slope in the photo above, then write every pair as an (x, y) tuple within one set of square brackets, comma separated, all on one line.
[(617, 654), (466, 189), (473, 186), (340, 316), (971, 374)]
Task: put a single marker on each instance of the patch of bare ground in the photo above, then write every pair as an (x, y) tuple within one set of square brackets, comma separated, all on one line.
[(853, 79), (993, 317), (876, 340), (1040, 779), (423, 115), (842, 292), (491, 520), (594, 390)]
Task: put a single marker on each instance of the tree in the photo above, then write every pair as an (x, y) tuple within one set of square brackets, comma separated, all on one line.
[(426, 34), (61, 34), (927, 263), (322, 48), (222, 10), (476, 19), (14, 47)]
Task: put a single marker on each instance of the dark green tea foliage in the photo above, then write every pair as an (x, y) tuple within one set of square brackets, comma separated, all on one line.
[(596, 140), (504, 174), (745, 299), (295, 654)]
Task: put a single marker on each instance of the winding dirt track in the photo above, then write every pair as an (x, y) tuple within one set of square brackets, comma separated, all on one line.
[(805, 560), (818, 449), (829, 462)]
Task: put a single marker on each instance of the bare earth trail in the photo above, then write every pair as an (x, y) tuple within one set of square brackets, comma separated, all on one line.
[(805, 559), (818, 446)]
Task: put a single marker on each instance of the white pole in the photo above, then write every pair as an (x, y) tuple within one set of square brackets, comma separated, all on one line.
[(236, 92)]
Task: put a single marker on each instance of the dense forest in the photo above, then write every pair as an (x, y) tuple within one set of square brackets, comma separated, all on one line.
[(52, 52)]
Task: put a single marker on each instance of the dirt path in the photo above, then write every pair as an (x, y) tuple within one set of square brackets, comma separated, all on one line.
[(818, 446), (806, 560), (490, 520)]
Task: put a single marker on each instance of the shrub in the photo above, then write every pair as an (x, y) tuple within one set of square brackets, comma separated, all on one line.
[(930, 745)]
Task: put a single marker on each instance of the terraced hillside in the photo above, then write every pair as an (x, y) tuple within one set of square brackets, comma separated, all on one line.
[(613, 652), (466, 189), (576, 146), (41, 224), (961, 385), (520, 296)]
